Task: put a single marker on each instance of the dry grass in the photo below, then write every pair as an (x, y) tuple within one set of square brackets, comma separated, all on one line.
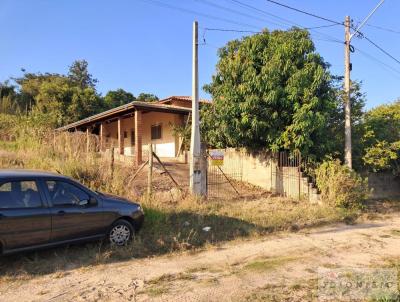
[(266, 264), (169, 226), (303, 290)]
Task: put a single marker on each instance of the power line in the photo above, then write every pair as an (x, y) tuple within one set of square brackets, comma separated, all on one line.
[(321, 26), (383, 64), (257, 18), (384, 28), (162, 4), (259, 32), (288, 22), (232, 30), (236, 12), (306, 13), (291, 23), (381, 49)]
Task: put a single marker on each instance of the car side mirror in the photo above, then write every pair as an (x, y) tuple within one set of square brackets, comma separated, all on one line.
[(92, 201)]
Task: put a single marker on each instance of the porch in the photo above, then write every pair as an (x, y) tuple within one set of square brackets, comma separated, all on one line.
[(129, 129)]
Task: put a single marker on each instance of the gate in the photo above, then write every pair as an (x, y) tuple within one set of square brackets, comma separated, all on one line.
[(287, 174), (223, 177)]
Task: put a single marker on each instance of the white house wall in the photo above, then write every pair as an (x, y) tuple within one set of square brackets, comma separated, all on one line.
[(166, 146)]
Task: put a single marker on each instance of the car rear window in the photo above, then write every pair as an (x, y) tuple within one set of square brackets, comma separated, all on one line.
[(19, 194)]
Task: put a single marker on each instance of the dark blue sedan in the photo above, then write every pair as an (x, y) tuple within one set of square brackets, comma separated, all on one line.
[(41, 209)]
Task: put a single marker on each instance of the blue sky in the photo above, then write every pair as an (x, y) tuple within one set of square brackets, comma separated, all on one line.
[(142, 47)]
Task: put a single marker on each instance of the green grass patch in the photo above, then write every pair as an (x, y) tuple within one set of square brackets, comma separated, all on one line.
[(267, 264)]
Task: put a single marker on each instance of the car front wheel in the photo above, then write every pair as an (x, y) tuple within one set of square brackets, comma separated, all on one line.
[(121, 233)]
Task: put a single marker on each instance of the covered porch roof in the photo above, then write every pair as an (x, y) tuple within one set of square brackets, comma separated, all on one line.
[(125, 111)]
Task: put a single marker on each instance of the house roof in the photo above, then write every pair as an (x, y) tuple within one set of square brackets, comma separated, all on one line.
[(181, 98), (124, 110)]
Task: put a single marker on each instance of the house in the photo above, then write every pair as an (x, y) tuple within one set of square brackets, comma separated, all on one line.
[(132, 127)]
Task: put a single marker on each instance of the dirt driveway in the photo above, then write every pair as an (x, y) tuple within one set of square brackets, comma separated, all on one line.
[(274, 268)]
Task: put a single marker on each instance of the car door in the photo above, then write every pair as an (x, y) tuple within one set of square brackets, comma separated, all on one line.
[(75, 212), (25, 218)]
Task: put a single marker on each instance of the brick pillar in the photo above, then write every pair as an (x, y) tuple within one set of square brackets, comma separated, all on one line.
[(101, 139), (138, 137), (120, 137)]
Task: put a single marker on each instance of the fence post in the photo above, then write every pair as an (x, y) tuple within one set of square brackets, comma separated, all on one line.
[(112, 162), (87, 140), (150, 173)]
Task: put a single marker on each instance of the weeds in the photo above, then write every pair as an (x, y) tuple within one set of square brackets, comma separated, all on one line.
[(266, 264), (169, 226)]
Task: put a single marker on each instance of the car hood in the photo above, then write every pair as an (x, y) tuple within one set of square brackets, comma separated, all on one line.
[(118, 199)]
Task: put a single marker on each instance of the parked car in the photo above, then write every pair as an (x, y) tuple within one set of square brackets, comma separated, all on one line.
[(41, 209)]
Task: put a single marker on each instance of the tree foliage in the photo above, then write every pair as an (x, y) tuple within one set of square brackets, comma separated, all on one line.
[(55, 99), (271, 90), (335, 124), (147, 97), (119, 97), (382, 138), (79, 74)]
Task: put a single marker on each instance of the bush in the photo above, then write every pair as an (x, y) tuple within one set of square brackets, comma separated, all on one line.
[(340, 186)]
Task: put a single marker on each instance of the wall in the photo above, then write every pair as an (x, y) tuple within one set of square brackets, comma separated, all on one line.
[(261, 169), (167, 146), (384, 185)]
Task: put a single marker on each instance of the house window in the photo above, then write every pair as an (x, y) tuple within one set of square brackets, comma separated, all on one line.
[(125, 134), (156, 131), (132, 137)]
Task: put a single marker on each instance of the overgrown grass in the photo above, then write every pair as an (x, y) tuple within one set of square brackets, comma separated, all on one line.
[(169, 226)]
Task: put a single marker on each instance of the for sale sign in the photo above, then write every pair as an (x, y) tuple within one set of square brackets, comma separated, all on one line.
[(217, 158)]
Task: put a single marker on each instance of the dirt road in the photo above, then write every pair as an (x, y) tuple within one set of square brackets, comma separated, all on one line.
[(274, 268)]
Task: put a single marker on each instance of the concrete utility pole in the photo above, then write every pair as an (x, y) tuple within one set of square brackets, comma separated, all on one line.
[(347, 105), (195, 154), (347, 85)]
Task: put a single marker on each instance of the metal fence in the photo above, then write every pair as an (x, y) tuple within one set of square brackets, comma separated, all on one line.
[(222, 181), (282, 173), (286, 176)]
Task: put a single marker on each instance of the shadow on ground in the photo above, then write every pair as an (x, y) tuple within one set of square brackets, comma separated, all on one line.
[(162, 233)]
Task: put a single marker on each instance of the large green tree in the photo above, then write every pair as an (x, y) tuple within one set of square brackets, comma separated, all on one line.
[(115, 98), (382, 138), (9, 100), (335, 122), (271, 90), (58, 98), (79, 74), (147, 97)]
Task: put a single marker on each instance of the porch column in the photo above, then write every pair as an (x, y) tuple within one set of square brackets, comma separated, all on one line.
[(87, 140), (120, 137), (138, 137), (101, 139)]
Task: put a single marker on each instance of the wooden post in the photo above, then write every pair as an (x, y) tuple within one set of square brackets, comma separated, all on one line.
[(166, 171), (150, 174), (120, 137), (101, 143), (54, 140), (112, 162), (87, 140), (138, 137)]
